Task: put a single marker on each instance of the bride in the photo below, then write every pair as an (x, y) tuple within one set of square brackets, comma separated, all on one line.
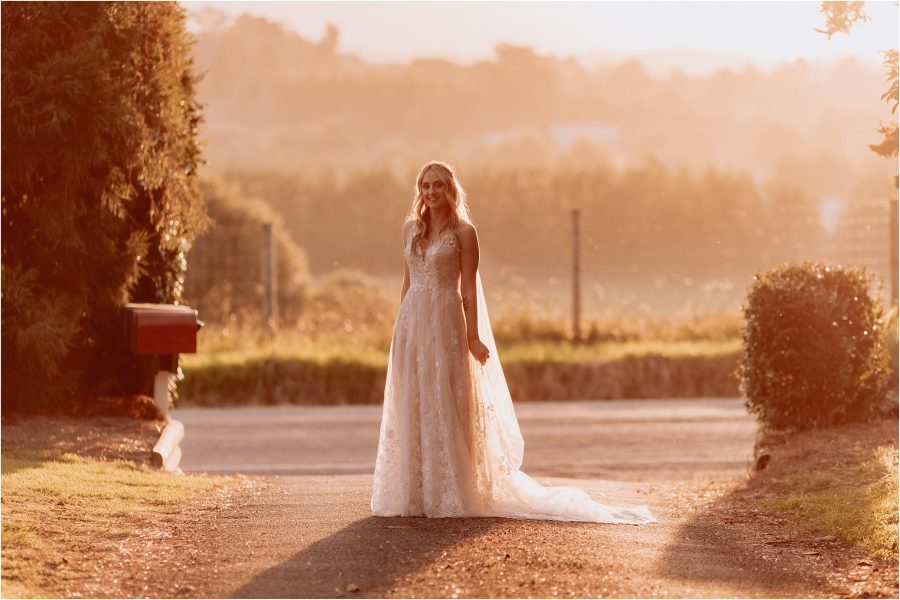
[(449, 443)]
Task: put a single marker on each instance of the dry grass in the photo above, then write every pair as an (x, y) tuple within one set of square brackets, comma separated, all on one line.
[(325, 350), (237, 348), (562, 352), (325, 335)]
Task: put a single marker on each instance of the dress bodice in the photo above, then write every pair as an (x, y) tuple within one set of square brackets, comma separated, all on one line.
[(436, 266)]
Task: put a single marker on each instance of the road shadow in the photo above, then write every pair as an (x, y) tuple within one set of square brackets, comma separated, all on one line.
[(341, 565), (726, 543), (746, 542)]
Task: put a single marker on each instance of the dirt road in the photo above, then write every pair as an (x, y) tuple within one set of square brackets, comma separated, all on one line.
[(305, 529)]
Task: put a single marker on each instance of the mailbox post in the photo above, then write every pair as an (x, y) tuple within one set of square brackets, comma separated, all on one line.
[(160, 332)]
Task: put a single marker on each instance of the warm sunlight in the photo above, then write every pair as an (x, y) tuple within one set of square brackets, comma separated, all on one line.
[(450, 299)]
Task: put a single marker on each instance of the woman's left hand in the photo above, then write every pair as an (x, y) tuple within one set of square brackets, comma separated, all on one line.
[(479, 351)]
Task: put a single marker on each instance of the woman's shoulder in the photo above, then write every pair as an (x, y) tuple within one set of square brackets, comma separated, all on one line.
[(465, 230), (465, 234)]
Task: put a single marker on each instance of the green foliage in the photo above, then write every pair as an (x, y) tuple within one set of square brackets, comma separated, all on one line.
[(282, 101), (225, 282), (840, 17), (277, 380), (43, 328), (890, 142), (99, 155), (814, 349), (335, 379), (890, 95)]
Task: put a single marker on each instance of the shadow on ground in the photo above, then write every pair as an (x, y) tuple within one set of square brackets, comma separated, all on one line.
[(773, 551), (341, 564), (726, 543)]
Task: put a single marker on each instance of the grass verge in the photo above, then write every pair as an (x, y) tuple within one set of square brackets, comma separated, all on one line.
[(63, 512), (856, 503), (840, 481)]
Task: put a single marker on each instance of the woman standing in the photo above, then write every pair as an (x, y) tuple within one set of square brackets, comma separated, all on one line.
[(450, 444)]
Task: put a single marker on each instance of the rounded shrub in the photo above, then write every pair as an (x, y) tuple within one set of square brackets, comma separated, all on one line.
[(814, 347), (224, 282)]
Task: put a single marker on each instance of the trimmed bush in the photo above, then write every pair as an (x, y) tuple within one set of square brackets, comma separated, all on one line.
[(814, 350)]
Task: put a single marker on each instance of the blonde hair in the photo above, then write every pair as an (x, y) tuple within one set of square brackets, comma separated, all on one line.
[(419, 211)]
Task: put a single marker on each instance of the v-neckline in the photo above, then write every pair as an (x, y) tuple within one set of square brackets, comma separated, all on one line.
[(436, 242)]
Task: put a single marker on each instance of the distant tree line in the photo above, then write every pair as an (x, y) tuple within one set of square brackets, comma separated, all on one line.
[(643, 221), (277, 100)]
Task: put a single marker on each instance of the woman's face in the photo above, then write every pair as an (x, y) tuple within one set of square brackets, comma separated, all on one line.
[(434, 190)]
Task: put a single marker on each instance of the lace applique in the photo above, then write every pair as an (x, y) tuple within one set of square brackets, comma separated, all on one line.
[(437, 268)]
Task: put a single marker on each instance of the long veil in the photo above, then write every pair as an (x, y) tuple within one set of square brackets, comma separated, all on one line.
[(500, 447)]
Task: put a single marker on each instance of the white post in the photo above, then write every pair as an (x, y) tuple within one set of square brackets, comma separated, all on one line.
[(161, 383), (167, 452), (171, 463)]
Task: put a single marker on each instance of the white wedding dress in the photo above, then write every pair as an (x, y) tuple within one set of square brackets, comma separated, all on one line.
[(449, 443)]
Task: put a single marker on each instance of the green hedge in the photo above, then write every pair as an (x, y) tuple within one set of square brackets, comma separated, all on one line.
[(814, 347), (311, 382), (99, 159)]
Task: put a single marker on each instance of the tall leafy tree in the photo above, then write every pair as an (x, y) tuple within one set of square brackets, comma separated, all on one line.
[(99, 159)]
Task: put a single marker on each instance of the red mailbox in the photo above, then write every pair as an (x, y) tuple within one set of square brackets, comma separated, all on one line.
[(162, 329), (155, 334)]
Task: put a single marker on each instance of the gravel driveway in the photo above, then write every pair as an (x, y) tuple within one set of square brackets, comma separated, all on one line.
[(304, 529)]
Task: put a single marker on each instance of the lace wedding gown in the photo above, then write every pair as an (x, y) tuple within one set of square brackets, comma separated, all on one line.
[(449, 443)]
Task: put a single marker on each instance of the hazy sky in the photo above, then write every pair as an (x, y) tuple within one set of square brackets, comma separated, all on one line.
[(767, 31)]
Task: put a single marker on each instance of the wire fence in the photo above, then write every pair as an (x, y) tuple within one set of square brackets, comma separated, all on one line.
[(864, 239)]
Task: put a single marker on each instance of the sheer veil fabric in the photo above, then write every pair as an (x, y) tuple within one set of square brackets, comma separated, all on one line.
[(490, 441)]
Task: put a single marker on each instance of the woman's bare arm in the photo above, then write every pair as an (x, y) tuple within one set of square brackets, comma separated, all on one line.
[(405, 287), (469, 256)]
